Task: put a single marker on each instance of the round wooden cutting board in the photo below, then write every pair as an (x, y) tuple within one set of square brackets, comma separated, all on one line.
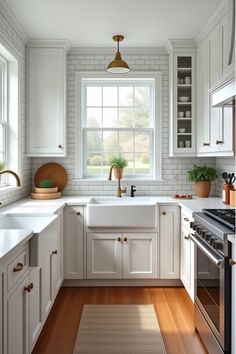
[(53, 171)]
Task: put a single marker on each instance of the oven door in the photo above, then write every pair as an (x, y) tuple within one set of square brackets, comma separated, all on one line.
[(210, 283)]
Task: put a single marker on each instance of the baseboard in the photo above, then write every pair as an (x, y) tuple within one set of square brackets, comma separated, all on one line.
[(124, 282)]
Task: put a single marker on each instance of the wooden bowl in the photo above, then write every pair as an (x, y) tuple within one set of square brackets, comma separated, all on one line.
[(46, 190)]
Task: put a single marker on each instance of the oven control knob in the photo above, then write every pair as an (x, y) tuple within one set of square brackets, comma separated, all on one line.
[(217, 245), (212, 240), (191, 224), (199, 229), (207, 236), (203, 233), (195, 226)]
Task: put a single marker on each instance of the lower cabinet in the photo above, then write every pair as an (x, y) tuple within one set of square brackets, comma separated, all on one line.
[(169, 242), (73, 242), (122, 255), (187, 262), (233, 349)]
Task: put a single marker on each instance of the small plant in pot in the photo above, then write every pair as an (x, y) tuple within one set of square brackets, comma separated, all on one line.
[(120, 163), (202, 176)]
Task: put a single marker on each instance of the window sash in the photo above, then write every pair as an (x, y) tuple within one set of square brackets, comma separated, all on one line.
[(3, 115)]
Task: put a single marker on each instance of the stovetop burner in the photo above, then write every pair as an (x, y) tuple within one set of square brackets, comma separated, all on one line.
[(224, 216)]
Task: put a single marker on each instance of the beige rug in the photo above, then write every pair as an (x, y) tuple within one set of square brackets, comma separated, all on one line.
[(113, 329)]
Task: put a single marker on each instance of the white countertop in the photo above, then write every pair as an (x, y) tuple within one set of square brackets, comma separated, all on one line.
[(11, 239)]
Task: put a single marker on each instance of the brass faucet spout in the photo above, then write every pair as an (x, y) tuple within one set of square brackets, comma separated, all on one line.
[(18, 181), (119, 189)]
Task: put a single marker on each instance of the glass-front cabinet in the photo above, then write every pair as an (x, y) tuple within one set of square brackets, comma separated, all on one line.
[(182, 102)]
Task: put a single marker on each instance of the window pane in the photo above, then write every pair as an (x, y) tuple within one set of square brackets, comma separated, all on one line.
[(126, 141), (106, 161), (142, 142), (1, 92), (110, 141), (110, 117), (142, 166), (125, 96), (94, 117), (110, 96), (94, 141), (129, 170), (126, 117), (94, 163), (141, 117), (94, 96), (141, 96)]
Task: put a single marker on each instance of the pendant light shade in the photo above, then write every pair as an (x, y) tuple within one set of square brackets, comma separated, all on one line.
[(118, 66)]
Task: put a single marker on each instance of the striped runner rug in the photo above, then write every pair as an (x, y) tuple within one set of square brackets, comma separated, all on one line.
[(123, 329)]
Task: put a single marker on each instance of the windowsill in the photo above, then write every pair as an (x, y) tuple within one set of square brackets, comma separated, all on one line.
[(8, 188), (124, 180)]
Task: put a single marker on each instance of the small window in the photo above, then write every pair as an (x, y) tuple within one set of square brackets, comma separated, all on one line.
[(3, 115), (118, 119)]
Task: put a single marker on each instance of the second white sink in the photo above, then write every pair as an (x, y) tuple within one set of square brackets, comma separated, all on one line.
[(112, 212)]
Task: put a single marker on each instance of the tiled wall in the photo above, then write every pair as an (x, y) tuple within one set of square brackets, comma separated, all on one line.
[(174, 169), (10, 37), (224, 164)]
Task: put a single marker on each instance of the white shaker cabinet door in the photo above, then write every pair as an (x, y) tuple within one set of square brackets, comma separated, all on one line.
[(140, 255), (104, 256), (187, 262), (214, 56), (169, 242), (46, 133)]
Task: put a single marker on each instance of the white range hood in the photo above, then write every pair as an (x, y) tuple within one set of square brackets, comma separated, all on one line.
[(225, 95)]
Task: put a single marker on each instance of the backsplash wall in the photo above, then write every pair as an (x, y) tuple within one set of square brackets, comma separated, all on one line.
[(173, 169), (224, 164), (9, 37)]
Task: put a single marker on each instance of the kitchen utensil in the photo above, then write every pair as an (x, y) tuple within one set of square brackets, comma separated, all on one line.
[(180, 114), (53, 171), (45, 196), (187, 143), (183, 98), (225, 176), (181, 144), (187, 114), (46, 190), (187, 80), (231, 178)]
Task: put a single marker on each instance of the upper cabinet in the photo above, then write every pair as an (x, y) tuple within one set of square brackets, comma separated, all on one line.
[(46, 94), (215, 68), (182, 98)]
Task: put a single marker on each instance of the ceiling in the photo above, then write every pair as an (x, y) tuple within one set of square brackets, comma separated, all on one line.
[(92, 23)]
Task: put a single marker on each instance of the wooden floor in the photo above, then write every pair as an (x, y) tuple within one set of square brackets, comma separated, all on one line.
[(173, 307)]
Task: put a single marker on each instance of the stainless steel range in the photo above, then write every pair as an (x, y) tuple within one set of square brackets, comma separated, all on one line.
[(213, 277)]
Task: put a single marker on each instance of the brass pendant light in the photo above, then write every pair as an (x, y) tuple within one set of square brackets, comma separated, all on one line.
[(118, 66)]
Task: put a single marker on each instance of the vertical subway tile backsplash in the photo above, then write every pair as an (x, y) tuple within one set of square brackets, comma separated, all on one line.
[(173, 169)]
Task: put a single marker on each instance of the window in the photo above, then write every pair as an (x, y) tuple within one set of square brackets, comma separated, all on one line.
[(3, 111), (118, 117)]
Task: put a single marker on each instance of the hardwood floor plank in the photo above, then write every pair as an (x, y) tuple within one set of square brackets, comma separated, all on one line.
[(173, 307)]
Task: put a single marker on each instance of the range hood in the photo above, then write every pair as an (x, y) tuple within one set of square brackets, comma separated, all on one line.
[(225, 95)]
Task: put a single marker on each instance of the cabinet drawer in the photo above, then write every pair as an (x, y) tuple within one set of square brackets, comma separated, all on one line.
[(17, 267), (186, 218)]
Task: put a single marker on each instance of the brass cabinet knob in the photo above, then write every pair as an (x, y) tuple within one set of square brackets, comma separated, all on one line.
[(29, 287), (55, 252), (119, 239), (125, 239), (18, 267), (206, 144), (219, 142), (164, 213), (186, 219), (232, 262), (78, 213), (186, 237), (60, 146)]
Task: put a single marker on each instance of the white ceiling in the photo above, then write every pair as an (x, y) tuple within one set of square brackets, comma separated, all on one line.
[(92, 23)]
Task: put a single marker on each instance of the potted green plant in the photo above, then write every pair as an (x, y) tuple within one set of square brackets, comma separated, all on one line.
[(202, 176), (2, 164), (120, 163)]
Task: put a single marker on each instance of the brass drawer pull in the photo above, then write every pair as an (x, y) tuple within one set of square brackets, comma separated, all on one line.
[(164, 213), (219, 142), (60, 146), (55, 252), (186, 237), (78, 213), (232, 262), (119, 239), (125, 239), (29, 287), (186, 219), (206, 144), (18, 268)]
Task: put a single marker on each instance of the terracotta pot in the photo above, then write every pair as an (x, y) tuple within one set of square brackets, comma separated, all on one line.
[(118, 172), (202, 188)]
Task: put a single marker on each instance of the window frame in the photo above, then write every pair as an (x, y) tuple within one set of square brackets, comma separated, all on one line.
[(4, 115), (79, 113)]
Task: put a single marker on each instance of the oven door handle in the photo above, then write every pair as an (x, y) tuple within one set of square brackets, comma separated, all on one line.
[(218, 261)]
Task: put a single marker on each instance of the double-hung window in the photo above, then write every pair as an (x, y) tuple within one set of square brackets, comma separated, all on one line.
[(118, 117), (3, 113)]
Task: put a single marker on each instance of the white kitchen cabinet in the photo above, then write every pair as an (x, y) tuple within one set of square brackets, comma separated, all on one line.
[(214, 56), (169, 242), (104, 256), (47, 296), (182, 98), (187, 262), (57, 260), (46, 92), (73, 242), (1, 312), (227, 60), (122, 255)]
